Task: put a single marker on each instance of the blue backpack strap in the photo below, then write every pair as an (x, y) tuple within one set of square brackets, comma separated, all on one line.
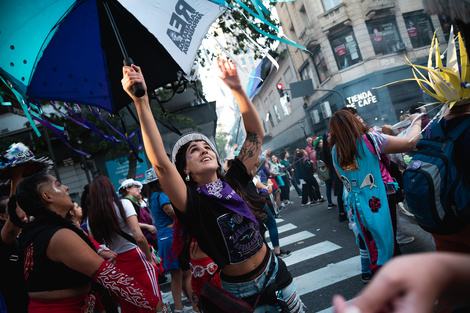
[(460, 129), (436, 129), (454, 133)]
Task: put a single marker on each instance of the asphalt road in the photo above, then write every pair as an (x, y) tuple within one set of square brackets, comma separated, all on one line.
[(325, 258)]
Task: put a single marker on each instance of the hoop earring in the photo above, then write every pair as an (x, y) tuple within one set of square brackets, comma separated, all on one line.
[(188, 178)]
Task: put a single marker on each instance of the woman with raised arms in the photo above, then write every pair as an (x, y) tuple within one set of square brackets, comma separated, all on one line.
[(216, 209)]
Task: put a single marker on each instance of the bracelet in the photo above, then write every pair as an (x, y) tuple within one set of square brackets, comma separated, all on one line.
[(102, 248)]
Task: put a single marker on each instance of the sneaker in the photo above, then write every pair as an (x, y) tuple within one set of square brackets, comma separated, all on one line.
[(289, 202), (405, 240), (277, 215), (282, 207), (165, 295), (342, 217), (305, 204), (313, 202), (331, 205), (321, 200), (366, 277)]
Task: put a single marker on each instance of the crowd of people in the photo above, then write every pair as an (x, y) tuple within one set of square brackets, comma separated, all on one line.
[(204, 223)]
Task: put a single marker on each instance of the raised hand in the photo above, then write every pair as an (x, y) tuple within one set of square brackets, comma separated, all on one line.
[(132, 75), (229, 75)]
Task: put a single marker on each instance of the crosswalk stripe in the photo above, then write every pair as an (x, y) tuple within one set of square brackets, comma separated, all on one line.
[(283, 228), (310, 252), (279, 220), (328, 275), (295, 238)]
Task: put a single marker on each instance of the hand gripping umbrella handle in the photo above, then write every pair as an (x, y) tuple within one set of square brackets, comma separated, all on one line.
[(137, 88)]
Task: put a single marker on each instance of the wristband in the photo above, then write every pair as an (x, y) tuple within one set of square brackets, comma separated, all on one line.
[(102, 248)]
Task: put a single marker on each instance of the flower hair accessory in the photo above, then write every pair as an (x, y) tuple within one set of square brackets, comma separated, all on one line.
[(19, 155)]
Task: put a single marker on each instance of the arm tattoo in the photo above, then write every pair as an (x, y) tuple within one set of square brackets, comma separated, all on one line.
[(250, 147)]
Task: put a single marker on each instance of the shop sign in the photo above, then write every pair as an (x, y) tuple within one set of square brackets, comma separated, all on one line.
[(363, 99), (413, 32), (340, 50)]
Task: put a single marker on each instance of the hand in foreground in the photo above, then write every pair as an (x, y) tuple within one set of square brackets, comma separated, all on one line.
[(228, 73), (108, 255), (132, 75), (411, 284)]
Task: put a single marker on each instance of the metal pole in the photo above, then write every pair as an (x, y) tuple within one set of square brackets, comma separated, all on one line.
[(51, 152)]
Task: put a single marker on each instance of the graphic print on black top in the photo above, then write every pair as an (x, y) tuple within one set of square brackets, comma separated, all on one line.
[(241, 236)]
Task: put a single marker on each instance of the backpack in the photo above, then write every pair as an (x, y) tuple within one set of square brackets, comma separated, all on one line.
[(435, 190)]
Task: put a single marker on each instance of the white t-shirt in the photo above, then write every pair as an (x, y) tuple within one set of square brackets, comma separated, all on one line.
[(120, 244)]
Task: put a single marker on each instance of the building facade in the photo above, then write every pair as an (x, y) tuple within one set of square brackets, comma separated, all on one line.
[(354, 46)]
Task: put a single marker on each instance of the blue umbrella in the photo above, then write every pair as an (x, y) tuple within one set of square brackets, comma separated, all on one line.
[(69, 50)]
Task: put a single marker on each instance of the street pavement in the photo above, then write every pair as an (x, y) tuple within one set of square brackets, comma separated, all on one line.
[(325, 258)]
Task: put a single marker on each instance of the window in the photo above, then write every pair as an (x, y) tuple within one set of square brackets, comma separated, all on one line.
[(285, 105), (345, 48), (270, 119), (446, 23), (330, 4), (304, 16), (419, 27), (264, 127), (243, 62), (306, 71), (384, 35), (276, 111), (315, 116), (320, 65), (250, 59)]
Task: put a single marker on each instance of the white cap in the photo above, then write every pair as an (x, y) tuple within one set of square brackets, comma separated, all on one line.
[(129, 183)]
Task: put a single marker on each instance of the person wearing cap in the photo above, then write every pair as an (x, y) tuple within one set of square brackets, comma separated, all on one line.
[(130, 190), (214, 208), (164, 217)]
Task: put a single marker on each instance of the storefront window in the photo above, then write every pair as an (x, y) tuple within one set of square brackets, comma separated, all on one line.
[(384, 35), (320, 65), (345, 48), (306, 71), (419, 27), (330, 4)]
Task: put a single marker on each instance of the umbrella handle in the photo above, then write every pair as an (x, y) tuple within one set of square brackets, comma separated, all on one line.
[(137, 88)]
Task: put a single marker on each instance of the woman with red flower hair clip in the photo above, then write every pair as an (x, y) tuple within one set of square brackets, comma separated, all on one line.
[(361, 163)]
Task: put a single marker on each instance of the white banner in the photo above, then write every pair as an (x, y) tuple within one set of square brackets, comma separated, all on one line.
[(178, 25)]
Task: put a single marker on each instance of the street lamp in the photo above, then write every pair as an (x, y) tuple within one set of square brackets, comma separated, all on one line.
[(301, 124)]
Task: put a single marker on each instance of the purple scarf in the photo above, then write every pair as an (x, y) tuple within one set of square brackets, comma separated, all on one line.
[(227, 197)]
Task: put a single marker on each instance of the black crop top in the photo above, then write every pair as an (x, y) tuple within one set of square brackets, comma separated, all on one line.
[(41, 273), (225, 236)]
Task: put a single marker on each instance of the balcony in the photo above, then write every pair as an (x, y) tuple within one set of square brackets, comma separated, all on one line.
[(370, 7), (307, 38), (334, 17)]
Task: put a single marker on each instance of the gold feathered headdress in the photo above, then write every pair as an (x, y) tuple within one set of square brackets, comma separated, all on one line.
[(449, 84)]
